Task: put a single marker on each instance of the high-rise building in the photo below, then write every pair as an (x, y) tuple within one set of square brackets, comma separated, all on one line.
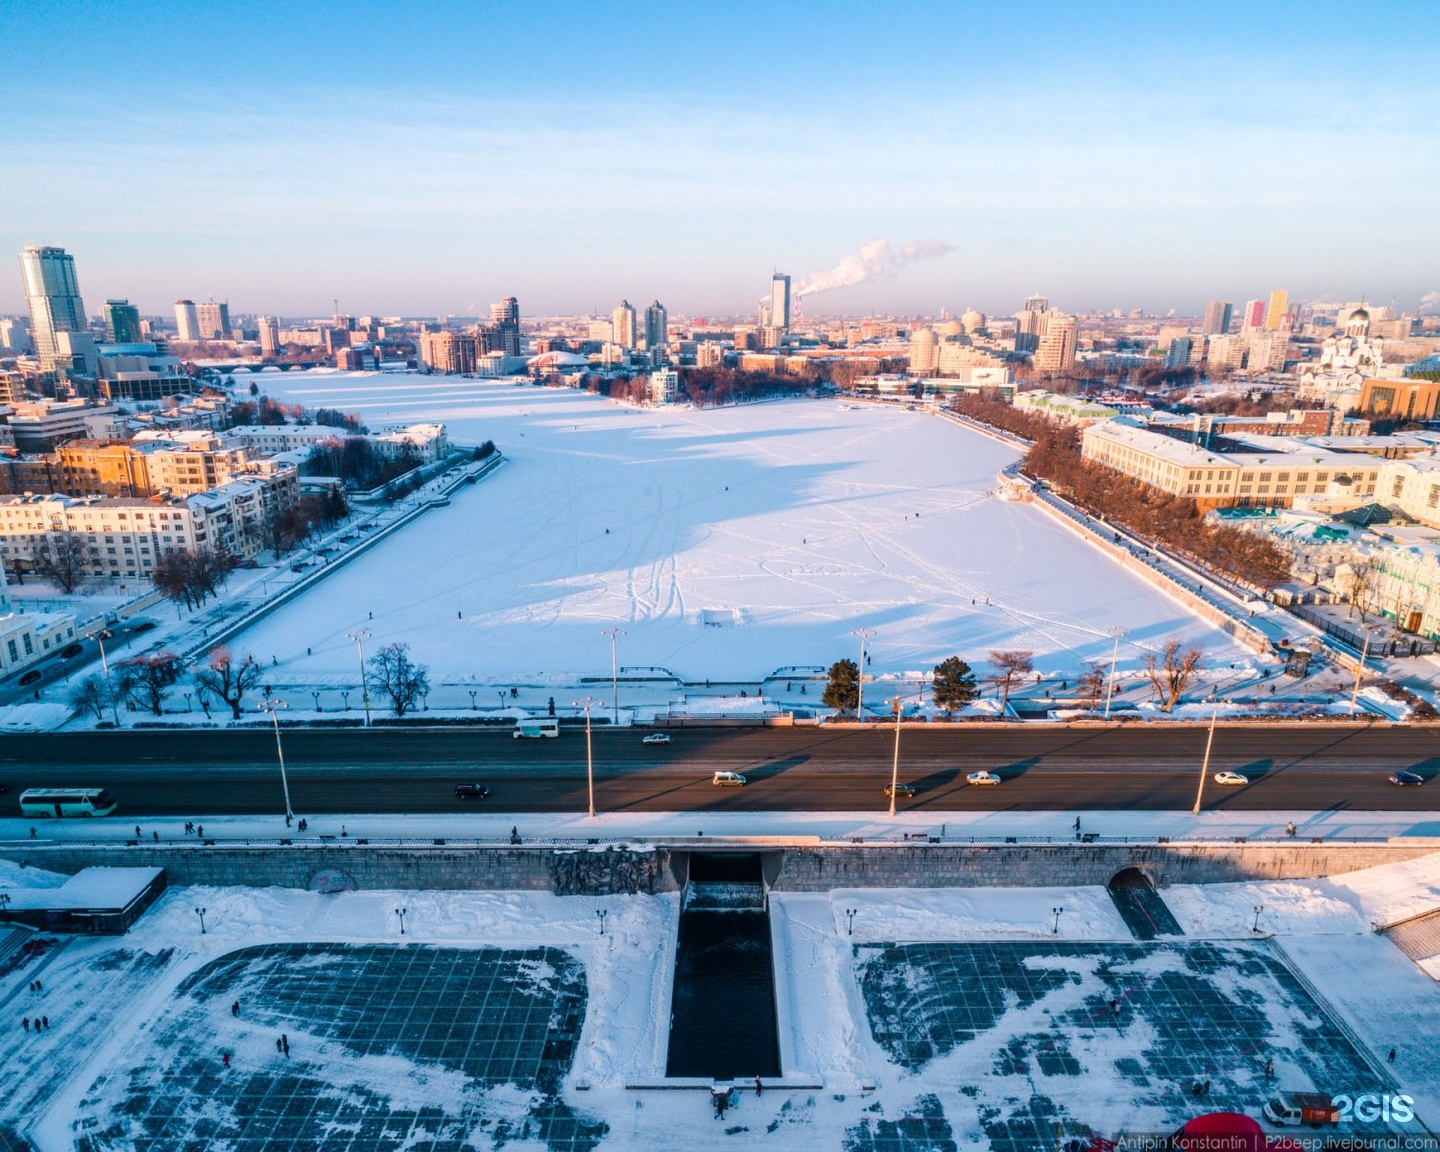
[(924, 352), (1179, 354), (450, 352), (269, 336), (1254, 314), (212, 321), (622, 325), (15, 334), (1030, 323), (657, 325), (1275, 313), (122, 322), (1218, 314), (1056, 351), (53, 292), (504, 334), (780, 301), (1266, 351), (187, 323)]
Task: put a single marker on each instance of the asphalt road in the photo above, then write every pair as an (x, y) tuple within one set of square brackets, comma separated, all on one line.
[(806, 769)]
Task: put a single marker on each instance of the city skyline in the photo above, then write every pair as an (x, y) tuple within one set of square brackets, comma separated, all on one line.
[(1110, 163)]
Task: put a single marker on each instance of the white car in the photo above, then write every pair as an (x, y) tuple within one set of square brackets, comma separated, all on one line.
[(728, 780), (982, 778), (1231, 778), (657, 738)]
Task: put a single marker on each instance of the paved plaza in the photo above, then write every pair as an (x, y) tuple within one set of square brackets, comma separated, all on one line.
[(389, 1047), (1036, 1038)]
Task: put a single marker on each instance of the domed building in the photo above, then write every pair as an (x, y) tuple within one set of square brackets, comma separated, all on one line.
[(1357, 325)]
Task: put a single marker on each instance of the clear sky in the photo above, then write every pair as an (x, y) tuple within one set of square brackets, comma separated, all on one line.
[(433, 158)]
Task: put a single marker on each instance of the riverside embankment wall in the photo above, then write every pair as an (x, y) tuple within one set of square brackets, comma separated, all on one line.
[(660, 866)]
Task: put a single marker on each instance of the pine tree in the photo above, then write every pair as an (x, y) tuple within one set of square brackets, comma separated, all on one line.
[(842, 691), (954, 684)]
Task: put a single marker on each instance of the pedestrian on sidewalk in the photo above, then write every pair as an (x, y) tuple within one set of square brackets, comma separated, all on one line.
[(759, 1088), (39, 987), (225, 1059), (279, 1047), (1391, 1058), (46, 1021), (285, 1043), (1269, 1067), (1290, 828), (155, 836), (235, 1008), (200, 831), (25, 1023)]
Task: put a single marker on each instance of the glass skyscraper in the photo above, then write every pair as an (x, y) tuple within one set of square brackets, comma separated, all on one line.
[(55, 305)]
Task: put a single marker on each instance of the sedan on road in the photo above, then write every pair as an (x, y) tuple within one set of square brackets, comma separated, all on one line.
[(657, 738), (901, 790), (1231, 778), (982, 778), (728, 780), (471, 792), (1406, 779)]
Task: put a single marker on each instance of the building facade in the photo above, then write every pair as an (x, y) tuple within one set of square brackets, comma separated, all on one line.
[(53, 294)]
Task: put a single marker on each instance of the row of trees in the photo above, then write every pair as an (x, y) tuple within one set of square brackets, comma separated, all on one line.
[(358, 462), (1174, 521), (954, 684), (145, 682)]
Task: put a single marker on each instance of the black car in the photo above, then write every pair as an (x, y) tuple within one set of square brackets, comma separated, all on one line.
[(31, 676), (71, 650), (901, 790), (471, 792), (1406, 778)]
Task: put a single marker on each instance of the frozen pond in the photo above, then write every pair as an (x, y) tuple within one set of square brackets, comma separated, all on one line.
[(725, 542)]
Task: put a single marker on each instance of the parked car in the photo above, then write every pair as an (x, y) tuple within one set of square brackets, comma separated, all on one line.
[(728, 780), (901, 790), (657, 738), (471, 792), (982, 778), (1403, 779), (1231, 778), (71, 650), (1311, 1108), (31, 676)]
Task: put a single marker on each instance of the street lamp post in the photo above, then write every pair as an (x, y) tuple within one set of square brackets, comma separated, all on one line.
[(614, 634), (1117, 632), (850, 921), (895, 761), (1255, 927), (201, 913), (587, 704), (401, 912), (1359, 671), (1055, 928), (317, 700), (273, 707), (472, 699), (100, 638), (1205, 763), (360, 635), (864, 634), (345, 697), (602, 913)]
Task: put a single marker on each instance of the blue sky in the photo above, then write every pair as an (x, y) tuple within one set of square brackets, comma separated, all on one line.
[(410, 160)]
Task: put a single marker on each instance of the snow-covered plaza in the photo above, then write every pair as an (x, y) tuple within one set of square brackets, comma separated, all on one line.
[(727, 543), (909, 1018)]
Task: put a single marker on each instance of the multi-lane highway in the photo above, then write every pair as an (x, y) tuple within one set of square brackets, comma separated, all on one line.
[(377, 770)]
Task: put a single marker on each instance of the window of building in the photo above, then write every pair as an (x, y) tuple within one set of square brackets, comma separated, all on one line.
[(29, 644), (1398, 487)]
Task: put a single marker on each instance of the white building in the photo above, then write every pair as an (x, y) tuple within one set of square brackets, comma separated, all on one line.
[(27, 637), (664, 384)]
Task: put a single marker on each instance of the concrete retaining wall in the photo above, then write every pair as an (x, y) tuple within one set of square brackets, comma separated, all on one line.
[(791, 868), (1046, 865)]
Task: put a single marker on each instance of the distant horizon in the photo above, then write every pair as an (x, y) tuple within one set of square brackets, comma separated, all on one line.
[(280, 157)]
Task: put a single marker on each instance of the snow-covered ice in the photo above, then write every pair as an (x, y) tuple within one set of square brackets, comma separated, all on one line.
[(726, 542)]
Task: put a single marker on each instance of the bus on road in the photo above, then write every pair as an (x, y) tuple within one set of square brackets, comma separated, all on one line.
[(534, 729), (43, 802)]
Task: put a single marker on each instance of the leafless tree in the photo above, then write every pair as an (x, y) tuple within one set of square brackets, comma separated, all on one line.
[(1360, 573), (399, 677), (145, 680), (64, 557), (1010, 668), (1173, 670), (92, 696), (1091, 684), (227, 678)]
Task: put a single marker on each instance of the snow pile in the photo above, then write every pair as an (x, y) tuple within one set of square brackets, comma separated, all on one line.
[(33, 717)]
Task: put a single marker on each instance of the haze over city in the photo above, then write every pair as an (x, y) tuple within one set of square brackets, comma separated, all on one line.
[(421, 163)]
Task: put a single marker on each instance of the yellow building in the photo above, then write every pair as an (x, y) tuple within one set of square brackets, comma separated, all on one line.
[(1399, 399), (1229, 480)]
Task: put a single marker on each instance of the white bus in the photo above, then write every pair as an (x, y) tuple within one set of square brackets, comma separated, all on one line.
[(43, 802), (534, 729)]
